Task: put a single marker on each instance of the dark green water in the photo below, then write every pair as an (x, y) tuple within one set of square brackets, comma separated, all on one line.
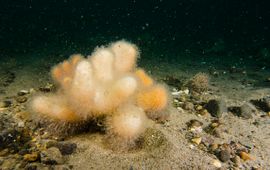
[(173, 31)]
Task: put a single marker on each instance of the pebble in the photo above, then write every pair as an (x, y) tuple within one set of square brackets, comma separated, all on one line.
[(198, 107), (188, 106), (247, 110), (197, 140), (216, 107), (62, 167), (36, 166), (217, 133), (22, 92), (66, 148), (47, 88), (236, 160), (213, 147), (5, 103), (51, 156), (224, 155), (194, 123), (31, 157), (204, 112), (217, 163), (245, 156), (8, 163), (263, 104), (8, 137), (21, 99)]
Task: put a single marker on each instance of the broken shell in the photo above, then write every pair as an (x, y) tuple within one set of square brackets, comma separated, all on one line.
[(217, 163), (197, 140)]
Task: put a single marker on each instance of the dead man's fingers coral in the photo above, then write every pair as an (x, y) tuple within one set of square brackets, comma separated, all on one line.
[(144, 79), (63, 72), (153, 99), (105, 85), (102, 61), (126, 55), (53, 107), (126, 125)]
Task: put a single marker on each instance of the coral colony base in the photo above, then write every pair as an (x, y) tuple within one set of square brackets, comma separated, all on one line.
[(106, 84)]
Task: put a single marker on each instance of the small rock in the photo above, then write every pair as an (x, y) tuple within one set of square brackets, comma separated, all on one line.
[(22, 92), (21, 99), (197, 140), (216, 107), (204, 112), (213, 147), (36, 166), (47, 143), (188, 106), (4, 152), (247, 110), (198, 107), (9, 163), (217, 163), (245, 156), (224, 155), (31, 157), (66, 148), (5, 103), (263, 104), (217, 133), (194, 123), (62, 167), (8, 138), (21, 124), (48, 88), (51, 156), (237, 160)]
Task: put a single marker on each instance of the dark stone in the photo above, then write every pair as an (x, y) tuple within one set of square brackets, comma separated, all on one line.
[(263, 104), (45, 89), (51, 156), (247, 110), (194, 123), (216, 107), (66, 148), (8, 138), (224, 155), (62, 167), (217, 133), (13, 139), (5, 103), (22, 93), (35, 166), (172, 81), (188, 106), (21, 99)]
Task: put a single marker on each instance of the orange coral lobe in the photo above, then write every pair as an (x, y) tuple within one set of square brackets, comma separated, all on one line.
[(66, 115), (75, 59), (153, 99), (66, 67), (144, 78), (56, 73)]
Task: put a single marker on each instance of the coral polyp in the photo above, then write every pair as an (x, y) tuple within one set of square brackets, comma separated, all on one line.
[(104, 84)]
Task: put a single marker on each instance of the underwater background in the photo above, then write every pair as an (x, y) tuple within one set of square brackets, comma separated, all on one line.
[(237, 31)]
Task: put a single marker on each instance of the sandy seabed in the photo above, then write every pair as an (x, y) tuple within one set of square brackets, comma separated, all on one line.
[(167, 145)]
